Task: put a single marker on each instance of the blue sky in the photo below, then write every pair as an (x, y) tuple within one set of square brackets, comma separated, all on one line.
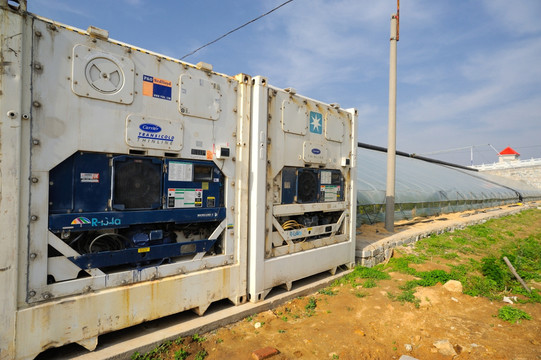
[(468, 71)]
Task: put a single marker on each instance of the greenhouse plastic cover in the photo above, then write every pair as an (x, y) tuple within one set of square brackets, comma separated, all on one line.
[(424, 188)]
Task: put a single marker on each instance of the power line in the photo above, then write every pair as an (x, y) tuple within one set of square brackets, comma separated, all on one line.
[(235, 29)]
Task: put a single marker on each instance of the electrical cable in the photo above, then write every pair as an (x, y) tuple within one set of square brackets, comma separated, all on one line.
[(235, 29), (114, 236)]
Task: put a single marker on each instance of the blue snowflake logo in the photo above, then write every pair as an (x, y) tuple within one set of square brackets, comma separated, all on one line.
[(316, 122)]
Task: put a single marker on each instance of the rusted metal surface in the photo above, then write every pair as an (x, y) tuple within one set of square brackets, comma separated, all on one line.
[(82, 318)]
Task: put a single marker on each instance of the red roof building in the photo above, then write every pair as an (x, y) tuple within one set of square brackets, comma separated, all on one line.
[(508, 154), (509, 151)]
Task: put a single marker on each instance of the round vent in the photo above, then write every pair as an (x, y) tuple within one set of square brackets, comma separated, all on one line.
[(104, 75)]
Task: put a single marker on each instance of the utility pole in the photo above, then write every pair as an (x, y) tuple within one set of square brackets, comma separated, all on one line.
[(391, 147)]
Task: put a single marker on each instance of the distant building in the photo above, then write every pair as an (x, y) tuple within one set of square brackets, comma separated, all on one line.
[(509, 165), (508, 154)]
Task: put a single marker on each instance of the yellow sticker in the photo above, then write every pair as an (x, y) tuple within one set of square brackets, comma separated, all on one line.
[(143, 250), (205, 185)]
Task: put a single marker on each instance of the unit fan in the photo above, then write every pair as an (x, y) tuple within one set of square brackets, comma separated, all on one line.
[(136, 184), (307, 186)]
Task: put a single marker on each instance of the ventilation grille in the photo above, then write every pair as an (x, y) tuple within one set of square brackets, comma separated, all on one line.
[(307, 186), (136, 184)]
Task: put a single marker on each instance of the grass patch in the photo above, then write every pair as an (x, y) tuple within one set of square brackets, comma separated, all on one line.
[(201, 355), (327, 291), (362, 272), (370, 283), (198, 339), (181, 354), (361, 294), (431, 278), (512, 314), (404, 297), (310, 307), (402, 265)]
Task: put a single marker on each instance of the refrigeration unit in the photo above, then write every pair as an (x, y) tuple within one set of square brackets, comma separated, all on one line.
[(302, 188), (124, 192)]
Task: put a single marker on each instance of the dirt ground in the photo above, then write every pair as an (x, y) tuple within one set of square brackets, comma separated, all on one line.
[(344, 326), (364, 323)]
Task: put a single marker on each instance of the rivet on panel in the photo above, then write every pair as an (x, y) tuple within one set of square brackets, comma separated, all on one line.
[(36, 104), (31, 293), (38, 33), (26, 116), (33, 256), (35, 142), (35, 180), (12, 114), (34, 218)]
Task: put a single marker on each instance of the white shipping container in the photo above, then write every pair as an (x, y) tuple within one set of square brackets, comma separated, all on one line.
[(124, 185), (302, 188)]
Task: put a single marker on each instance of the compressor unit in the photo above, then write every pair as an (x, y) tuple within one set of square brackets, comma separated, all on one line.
[(303, 188), (124, 184), (116, 210)]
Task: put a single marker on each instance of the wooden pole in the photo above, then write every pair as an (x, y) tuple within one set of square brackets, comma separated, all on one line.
[(510, 266)]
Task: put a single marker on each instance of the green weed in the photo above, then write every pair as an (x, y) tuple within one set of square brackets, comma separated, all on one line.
[(370, 283), (431, 278), (198, 339), (513, 315), (327, 291), (181, 354), (361, 294), (201, 355), (310, 307)]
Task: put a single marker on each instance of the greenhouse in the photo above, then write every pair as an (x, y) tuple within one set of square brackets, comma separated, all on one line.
[(427, 187)]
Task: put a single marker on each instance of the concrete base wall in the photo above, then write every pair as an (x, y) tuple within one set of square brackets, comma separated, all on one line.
[(381, 250), (530, 175)]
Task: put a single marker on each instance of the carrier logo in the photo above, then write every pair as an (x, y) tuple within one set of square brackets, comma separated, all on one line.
[(80, 221), (150, 128), (316, 151)]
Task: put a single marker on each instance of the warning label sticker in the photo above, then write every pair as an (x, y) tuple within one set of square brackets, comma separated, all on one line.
[(184, 198), (330, 192), (158, 88)]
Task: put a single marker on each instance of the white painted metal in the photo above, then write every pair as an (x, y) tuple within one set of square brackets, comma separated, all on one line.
[(65, 91), (289, 130), (391, 138)]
